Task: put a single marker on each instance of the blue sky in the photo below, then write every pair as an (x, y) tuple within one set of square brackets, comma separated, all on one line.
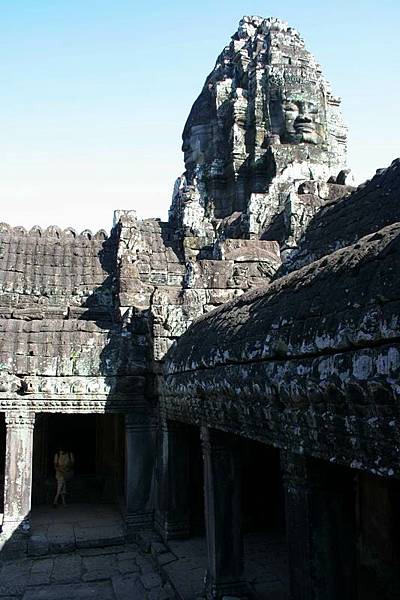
[(95, 95)]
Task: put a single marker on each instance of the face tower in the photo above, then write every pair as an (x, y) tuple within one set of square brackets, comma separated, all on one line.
[(265, 126)]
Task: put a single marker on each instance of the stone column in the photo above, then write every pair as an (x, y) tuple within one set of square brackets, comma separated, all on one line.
[(298, 525), (140, 431), (222, 490), (320, 523), (172, 512), (18, 471)]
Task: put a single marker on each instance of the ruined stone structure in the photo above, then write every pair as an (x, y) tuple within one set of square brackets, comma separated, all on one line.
[(265, 309)]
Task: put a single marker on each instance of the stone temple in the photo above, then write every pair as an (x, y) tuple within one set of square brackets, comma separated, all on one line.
[(228, 379)]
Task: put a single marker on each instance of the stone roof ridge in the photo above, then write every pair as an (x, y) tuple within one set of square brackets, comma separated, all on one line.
[(52, 231), (340, 222), (373, 182), (382, 171)]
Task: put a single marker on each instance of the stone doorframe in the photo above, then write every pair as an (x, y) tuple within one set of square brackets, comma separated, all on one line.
[(140, 435)]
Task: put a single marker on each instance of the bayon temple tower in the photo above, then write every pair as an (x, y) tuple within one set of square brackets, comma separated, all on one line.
[(230, 376), (265, 130)]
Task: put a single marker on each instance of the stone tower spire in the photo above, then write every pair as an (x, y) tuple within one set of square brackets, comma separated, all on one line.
[(265, 124)]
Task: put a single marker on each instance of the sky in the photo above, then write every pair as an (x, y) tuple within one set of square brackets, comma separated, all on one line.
[(95, 95)]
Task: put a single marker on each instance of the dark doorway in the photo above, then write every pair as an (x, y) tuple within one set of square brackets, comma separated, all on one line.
[(263, 520), (262, 488), (76, 434), (378, 537), (97, 443)]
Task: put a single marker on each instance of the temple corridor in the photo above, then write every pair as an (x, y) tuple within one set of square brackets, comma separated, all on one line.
[(97, 443)]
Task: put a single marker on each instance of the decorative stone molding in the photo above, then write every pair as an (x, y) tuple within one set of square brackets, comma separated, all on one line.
[(20, 419), (9, 383), (41, 387)]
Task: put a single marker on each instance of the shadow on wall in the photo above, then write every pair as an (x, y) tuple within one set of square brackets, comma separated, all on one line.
[(125, 358)]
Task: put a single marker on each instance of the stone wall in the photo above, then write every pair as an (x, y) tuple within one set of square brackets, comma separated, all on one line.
[(62, 344)]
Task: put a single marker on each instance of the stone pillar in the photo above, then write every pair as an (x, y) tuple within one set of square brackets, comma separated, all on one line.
[(320, 524), (173, 513), (222, 490), (140, 433), (298, 525), (18, 471)]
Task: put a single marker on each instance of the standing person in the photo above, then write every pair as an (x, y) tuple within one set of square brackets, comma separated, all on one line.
[(64, 466)]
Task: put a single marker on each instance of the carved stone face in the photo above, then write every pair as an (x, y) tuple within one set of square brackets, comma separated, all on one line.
[(302, 120), (196, 144)]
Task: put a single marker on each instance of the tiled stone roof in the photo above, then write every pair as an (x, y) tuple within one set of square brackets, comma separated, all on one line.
[(373, 205), (52, 271), (320, 308)]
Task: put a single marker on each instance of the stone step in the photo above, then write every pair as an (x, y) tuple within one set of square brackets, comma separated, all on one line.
[(59, 540), (99, 590)]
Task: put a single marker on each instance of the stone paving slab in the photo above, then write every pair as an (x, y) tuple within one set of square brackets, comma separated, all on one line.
[(127, 566), (107, 567), (98, 568), (127, 571), (41, 572), (128, 587), (265, 566), (14, 577), (67, 569), (122, 575)]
